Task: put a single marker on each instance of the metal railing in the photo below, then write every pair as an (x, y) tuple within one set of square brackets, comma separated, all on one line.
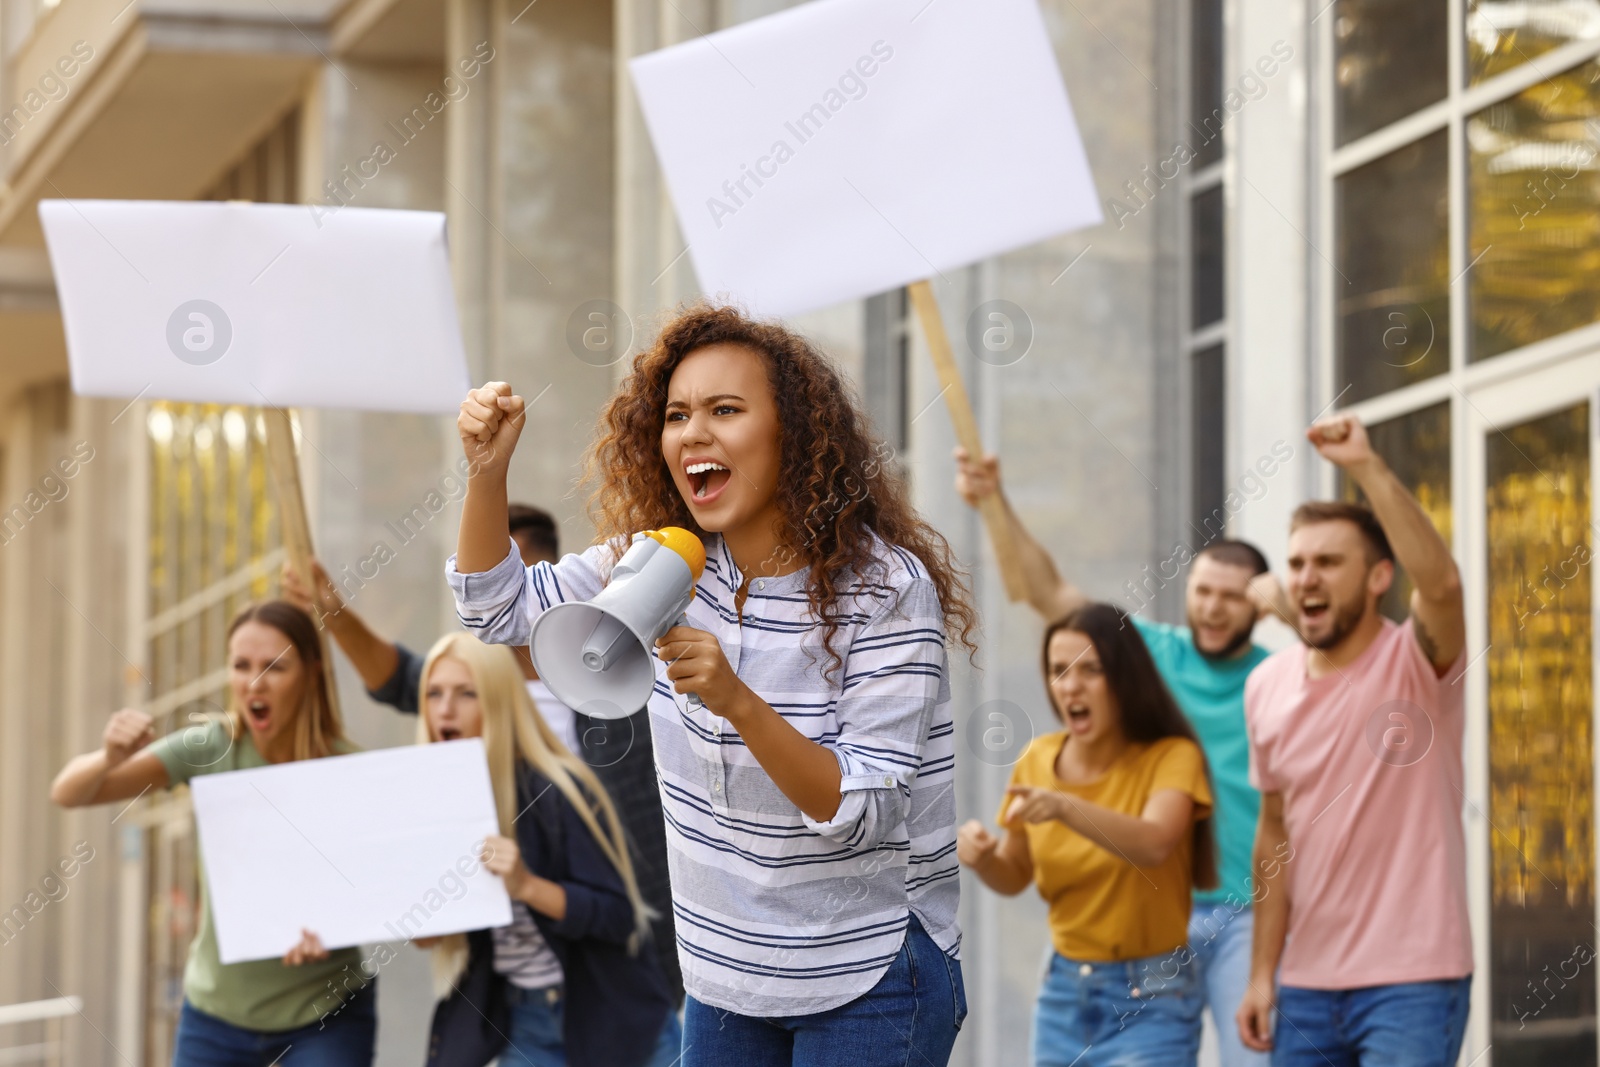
[(50, 1012)]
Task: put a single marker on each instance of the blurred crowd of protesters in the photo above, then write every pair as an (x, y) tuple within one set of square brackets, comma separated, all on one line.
[(1319, 837), (1213, 827)]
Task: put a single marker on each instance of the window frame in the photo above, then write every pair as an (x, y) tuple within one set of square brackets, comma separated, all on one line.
[(1330, 162), (1192, 341), (1500, 391)]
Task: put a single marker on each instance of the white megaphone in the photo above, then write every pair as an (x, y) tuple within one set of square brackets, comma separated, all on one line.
[(599, 657)]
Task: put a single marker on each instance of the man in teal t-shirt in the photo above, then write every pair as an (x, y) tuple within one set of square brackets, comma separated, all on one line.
[(1205, 664)]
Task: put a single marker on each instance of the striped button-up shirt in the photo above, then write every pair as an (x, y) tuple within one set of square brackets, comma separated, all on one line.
[(778, 914)]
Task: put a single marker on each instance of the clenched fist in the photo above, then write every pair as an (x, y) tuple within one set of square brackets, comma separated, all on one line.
[(490, 422), (975, 478), (974, 843), (1341, 440), (295, 590), (126, 732)]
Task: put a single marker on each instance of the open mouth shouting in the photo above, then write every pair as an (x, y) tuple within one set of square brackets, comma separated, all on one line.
[(1078, 718), (1313, 608), (707, 478), (259, 713), (448, 733)]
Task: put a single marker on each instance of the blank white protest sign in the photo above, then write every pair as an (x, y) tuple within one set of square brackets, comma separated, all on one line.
[(358, 849), (847, 147), (278, 305)]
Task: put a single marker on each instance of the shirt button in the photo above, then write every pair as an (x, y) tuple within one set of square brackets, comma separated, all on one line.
[(760, 584), (887, 781), (1085, 970), (716, 787)]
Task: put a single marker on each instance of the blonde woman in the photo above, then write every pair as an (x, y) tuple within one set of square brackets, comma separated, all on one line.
[(570, 980), (263, 1011)]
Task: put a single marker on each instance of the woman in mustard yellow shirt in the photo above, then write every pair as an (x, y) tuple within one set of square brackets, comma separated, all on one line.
[(1110, 818)]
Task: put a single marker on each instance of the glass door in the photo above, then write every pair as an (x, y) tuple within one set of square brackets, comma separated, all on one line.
[(1533, 651)]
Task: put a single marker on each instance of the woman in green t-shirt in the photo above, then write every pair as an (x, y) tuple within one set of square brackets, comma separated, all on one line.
[(312, 1008)]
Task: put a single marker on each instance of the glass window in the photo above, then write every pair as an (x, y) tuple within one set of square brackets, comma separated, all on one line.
[(1541, 755), (1534, 186), (1207, 481), (1390, 59), (1392, 285), (1501, 35), (1416, 446), (213, 547), (1205, 257), (1206, 114)]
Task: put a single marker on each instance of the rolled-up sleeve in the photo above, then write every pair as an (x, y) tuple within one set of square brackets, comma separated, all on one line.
[(403, 690), (894, 680), (499, 605)]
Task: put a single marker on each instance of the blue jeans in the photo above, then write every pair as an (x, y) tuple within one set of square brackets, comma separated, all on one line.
[(1219, 937), (1409, 1024), (536, 1041), (1130, 1013), (669, 1050), (909, 1019), (343, 1039)]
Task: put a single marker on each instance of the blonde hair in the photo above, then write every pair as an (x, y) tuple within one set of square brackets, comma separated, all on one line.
[(317, 726), (512, 728)]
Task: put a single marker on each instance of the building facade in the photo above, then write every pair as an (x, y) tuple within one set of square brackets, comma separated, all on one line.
[(1371, 205)]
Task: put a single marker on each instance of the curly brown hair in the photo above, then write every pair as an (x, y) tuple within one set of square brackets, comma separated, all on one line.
[(835, 488)]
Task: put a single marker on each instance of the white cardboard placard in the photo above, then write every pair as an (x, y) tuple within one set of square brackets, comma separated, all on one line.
[(370, 847), (280, 305), (847, 147)]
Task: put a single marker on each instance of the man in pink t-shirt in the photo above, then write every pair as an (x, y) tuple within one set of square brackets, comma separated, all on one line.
[(1362, 942)]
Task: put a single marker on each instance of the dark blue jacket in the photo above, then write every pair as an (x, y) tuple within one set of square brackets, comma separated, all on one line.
[(616, 1002), (620, 753)]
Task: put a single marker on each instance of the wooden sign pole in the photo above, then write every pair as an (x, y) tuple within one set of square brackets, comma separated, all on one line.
[(955, 398), (285, 468)]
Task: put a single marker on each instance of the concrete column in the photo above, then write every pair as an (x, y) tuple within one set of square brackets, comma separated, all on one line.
[(1270, 233), (554, 122), (34, 625), (94, 679), (652, 271)]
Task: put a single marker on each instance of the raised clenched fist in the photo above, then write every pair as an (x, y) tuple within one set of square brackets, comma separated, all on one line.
[(490, 422), (296, 591), (976, 479), (126, 732), (1341, 440)]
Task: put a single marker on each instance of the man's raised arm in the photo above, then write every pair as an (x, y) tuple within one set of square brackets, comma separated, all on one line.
[(1051, 595), (1437, 610)]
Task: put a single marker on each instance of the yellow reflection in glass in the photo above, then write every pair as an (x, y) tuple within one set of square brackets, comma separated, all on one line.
[(1503, 35), (1540, 706), (1534, 213), (1541, 755)]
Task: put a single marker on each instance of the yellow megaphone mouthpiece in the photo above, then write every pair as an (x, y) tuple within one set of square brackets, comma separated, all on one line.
[(684, 544)]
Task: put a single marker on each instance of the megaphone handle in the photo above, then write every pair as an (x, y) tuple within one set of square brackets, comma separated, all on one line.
[(693, 698)]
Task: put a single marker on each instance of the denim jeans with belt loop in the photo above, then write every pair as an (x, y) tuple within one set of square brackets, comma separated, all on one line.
[(1093, 1013)]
